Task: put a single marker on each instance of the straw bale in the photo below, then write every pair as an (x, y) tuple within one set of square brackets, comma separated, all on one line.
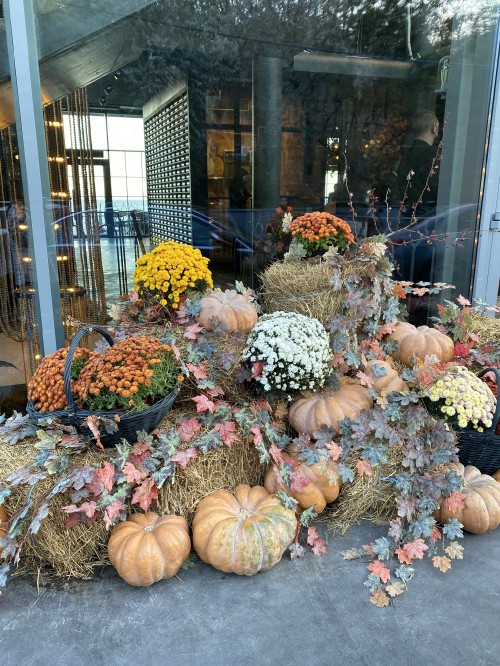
[(486, 328)]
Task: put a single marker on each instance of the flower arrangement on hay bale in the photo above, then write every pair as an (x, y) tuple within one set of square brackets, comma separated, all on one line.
[(317, 232), (169, 271), (288, 352)]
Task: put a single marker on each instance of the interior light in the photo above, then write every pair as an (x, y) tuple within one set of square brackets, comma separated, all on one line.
[(23, 227)]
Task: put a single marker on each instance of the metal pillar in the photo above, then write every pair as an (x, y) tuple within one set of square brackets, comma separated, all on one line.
[(267, 105), (23, 61)]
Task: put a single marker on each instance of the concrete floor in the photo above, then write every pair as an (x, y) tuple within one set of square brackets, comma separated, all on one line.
[(313, 611)]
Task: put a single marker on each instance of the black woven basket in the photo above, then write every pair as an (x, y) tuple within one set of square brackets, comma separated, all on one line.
[(130, 422), (482, 449)]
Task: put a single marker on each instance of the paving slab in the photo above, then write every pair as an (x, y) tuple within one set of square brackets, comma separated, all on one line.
[(313, 611)]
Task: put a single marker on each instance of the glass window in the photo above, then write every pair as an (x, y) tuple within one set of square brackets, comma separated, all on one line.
[(125, 133)]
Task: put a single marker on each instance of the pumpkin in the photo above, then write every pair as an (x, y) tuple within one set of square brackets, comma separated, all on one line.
[(227, 310), (420, 342), (323, 487), (147, 547), (496, 475), (328, 407), (244, 532), (389, 382), (481, 512), (3, 522)]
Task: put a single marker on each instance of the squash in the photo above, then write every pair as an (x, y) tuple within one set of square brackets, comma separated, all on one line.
[(147, 547), (481, 512), (3, 522), (324, 483), (244, 532), (420, 342), (329, 406), (228, 310), (389, 382), (496, 475)]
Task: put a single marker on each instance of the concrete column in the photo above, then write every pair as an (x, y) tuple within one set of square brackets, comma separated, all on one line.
[(267, 109)]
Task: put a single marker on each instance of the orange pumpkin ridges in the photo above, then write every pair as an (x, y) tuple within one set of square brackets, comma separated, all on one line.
[(388, 383), (328, 407), (242, 533), (481, 512), (323, 488), (147, 547), (419, 342), (227, 310)]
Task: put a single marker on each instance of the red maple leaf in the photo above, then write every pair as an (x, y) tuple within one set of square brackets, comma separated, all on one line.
[(276, 453), (182, 458), (415, 549), (298, 482), (188, 428), (92, 423), (335, 450), (257, 435), (88, 508), (364, 379), (435, 534), (145, 494), (455, 501), (363, 467), (318, 545), (192, 331), (140, 450), (461, 300), (203, 404), (214, 392), (377, 568), (257, 368), (112, 512), (403, 556), (461, 350), (132, 473), (228, 432), (198, 371), (102, 480)]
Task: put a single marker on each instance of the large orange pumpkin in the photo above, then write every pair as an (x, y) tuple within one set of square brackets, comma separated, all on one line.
[(323, 487), (481, 512), (228, 310), (329, 406), (3, 522), (420, 342), (389, 382), (147, 547), (244, 532)]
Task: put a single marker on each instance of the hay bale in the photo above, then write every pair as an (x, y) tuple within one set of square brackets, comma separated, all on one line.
[(305, 287), (367, 497), (75, 552), (486, 328)]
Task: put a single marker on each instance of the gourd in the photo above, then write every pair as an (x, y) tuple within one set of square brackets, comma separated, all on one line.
[(481, 512), (228, 310), (496, 475), (329, 406), (244, 532), (147, 547), (389, 382), (323, 487), (420, 342)]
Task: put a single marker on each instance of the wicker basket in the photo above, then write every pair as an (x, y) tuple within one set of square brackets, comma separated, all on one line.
[(130, 422), (482, 449)]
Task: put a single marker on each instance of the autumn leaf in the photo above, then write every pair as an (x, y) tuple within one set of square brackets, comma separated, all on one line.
[(317, 544), (215, 391), (257, 369), (461, 349), (276, 453), (435, 534), (182, 458), (112, 512), (335, 450), (296, 551), (350, 554), (203, 404), (416, 549), (298, 482), (455, 551), (363, 467), (145, 494), (257, 435), (403, 556), (102, 480), (140, 450), (132, 473), (377, 568), (364, 379), (461, 300), (379, 598), (419, 291), (227, 432), (396, 588), (455, 501), (442, 563), (92, 423), (198, 371), (88, 508), (192, 331), (188, 428)]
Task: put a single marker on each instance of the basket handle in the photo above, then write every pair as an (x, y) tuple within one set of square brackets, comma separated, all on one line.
[(69, 361), (496, 415)]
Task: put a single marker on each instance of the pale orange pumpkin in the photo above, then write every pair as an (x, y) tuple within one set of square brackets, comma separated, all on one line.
[(147, 547), (419, 342), (323, 487), (389, 382), (481, 512), (228, 310), (329, 406), (244, 532)]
